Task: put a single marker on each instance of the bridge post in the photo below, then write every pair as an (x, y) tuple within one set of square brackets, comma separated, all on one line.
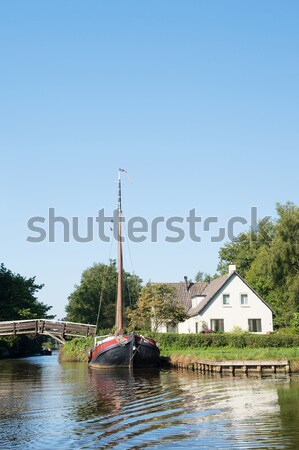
[(64, 330)]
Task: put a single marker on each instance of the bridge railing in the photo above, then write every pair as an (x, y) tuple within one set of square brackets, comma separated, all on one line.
[(44, 326)]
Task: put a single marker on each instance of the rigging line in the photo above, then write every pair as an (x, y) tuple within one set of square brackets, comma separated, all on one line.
[(128, 246), (124, 223), (133, 271), (104, 278)]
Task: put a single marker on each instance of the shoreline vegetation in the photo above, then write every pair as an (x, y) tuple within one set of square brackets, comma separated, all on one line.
[(187, 349)]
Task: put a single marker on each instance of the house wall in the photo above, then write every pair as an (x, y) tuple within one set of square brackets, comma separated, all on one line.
[(234, 315)]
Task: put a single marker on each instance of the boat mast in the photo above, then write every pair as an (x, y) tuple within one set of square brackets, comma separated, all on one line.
[(119, 304)]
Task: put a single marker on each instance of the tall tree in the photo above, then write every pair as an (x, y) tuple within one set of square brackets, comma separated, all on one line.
[(156, 306), (95, 296), (243, 250), (269, 261), (275, 271), (201, 277), (17, 297)]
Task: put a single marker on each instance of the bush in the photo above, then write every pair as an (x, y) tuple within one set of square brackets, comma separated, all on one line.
[(287, 331), (236, 340), (20, 346), (76, 349)]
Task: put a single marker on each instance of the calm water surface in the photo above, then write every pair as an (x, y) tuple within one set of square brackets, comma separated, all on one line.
[(47, 405)]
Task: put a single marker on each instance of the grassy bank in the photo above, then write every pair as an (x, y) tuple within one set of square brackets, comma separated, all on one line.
[(76, 350), (230, 346), (188, 357), (231, 353), (218, 346)]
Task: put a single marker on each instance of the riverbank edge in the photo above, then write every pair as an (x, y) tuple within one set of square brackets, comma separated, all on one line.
[(193, 363), (76, 351), (20, 346), (185, 351)]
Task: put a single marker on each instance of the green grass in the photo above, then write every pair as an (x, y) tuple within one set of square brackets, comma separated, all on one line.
[(230, 353), (75, 350)]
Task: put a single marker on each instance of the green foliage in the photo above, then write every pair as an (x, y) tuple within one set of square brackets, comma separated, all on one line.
[(98, 287), (243, 250), (17, 297), (76, 349), (156, 306), (175, 341), (269, 261), (294, 322), (20, 346), (287, 331), (224, 345), (201, 277), (275, 272), (232, 353)]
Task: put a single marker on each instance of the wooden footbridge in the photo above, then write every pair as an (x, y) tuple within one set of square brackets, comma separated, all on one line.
[(57, 330)]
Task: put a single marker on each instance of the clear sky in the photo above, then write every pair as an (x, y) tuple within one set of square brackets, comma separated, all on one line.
[(198, 100)]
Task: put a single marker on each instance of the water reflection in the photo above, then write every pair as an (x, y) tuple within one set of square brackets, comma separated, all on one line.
[(288, 400), (46, 404)]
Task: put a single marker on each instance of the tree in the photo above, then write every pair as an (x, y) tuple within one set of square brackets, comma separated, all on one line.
[(202, 277), (97, 294), (269, 261), (17, 297), (243, 250), (157, 305), (275, 270)]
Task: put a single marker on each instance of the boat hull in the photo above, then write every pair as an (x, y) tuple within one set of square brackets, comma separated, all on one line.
[(125, 351), (147, 353), (115, 352), (46, 352)]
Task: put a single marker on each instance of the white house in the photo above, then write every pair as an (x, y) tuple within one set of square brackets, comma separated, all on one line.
[(223, 304)]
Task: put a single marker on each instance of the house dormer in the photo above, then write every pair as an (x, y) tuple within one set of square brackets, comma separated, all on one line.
[(196, 300)]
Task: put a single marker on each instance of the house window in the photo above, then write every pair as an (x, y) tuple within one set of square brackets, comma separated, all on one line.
[(226, 299), (172, 329), (196, 327), (244, 299), (217, 324), (255, 325)]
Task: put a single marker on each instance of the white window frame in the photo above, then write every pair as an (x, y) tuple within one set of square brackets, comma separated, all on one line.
[(260, 321), (244, 305), (226, 294), (171, 329), (211, 323)]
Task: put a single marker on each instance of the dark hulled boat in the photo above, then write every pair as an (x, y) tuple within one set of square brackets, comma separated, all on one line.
[(128, 350), (123, 350), (46, 352)]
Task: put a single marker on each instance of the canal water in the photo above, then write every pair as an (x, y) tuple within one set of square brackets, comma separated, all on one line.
[(48, 405)]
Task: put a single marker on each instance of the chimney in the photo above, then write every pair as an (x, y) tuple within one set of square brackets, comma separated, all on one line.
[(186, 282), (231, 268)]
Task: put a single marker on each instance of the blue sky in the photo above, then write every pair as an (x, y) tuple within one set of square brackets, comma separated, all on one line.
[(197, 100)]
